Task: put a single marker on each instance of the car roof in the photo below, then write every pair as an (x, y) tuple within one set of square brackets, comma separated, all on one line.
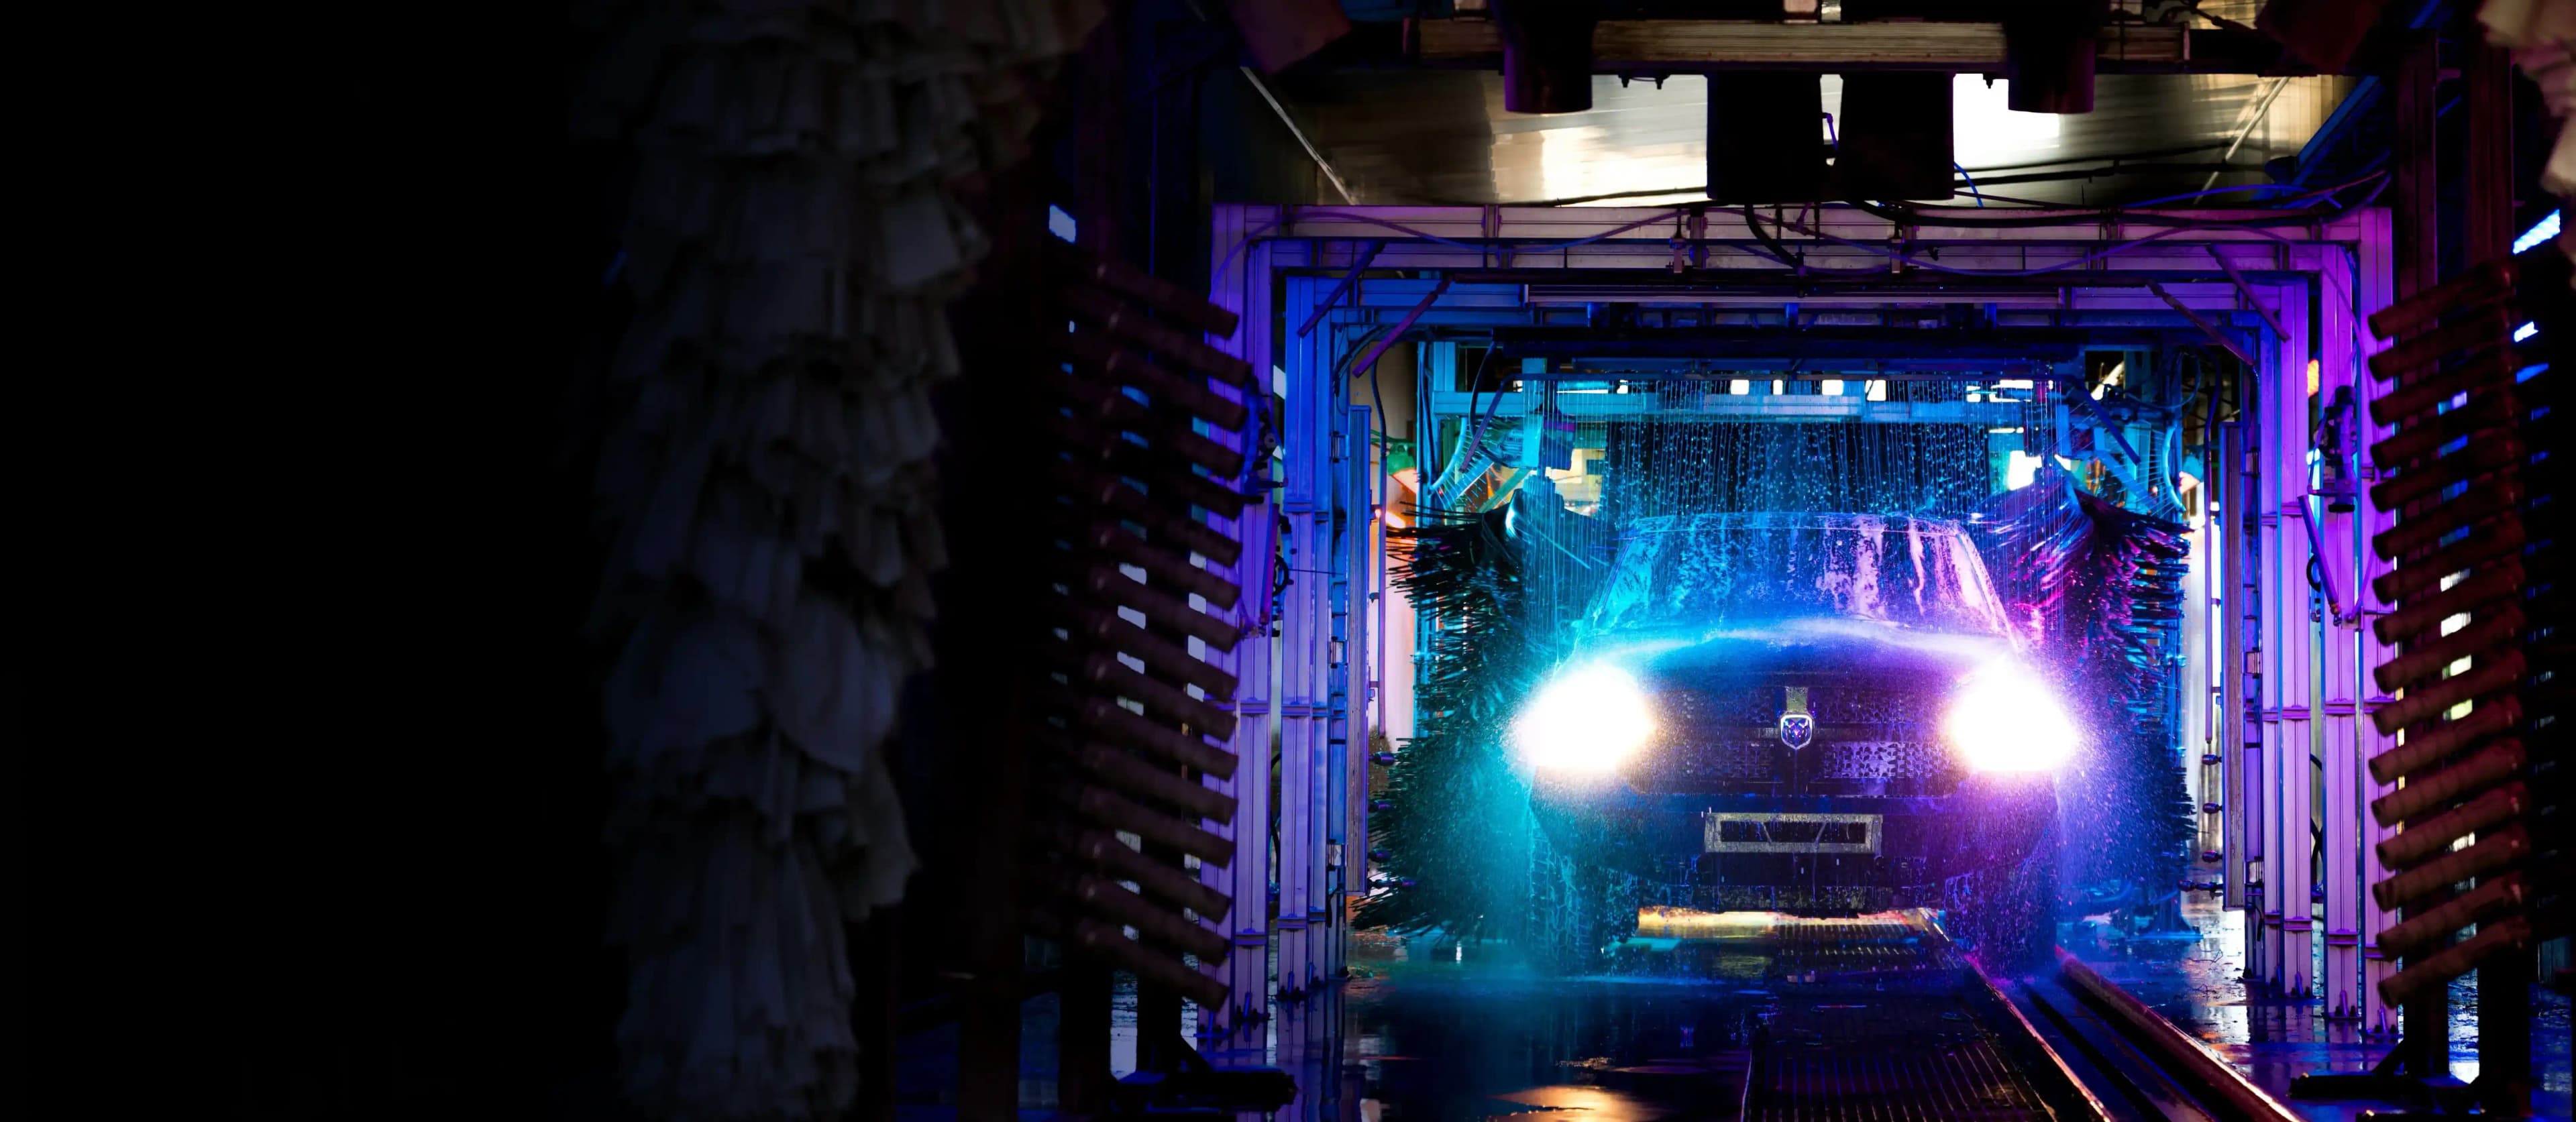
[(1789, 520)]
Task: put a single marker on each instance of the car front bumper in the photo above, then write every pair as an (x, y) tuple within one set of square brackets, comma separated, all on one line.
[(1814, 854)]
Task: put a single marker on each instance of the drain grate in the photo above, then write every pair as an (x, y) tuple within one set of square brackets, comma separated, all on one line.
[(1885, 1038), (1967, 1081)]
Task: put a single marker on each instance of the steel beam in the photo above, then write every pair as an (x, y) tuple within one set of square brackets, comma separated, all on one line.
[(1305, 629), (1234, 1036), (1360, 525), (1680, 46), (2293, 635), (2230, 488), (2267, 965)]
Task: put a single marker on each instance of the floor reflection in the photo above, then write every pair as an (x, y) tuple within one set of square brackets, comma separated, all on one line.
[(2197, 983)]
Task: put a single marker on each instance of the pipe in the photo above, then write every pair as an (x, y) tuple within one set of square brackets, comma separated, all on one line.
[(2492, 765), (1109, 491), (2421, 705), (1158, 607), (1169, 300), (2422, 482), (2424, 748), (1117, 812), (1111, 720), (2423, 840), (2498, 497), (1106, 672), (1095, 402), (1110, 901), (2491, 373), (1096, 356), (1110, 630), (2500, 538), (1126, 322), (2512, 934), (2490, 854), (2430, 929), (1163, 565), (1367, 254), (1156, 877), (2426, 661), (2498, 581), (2476, 334), (1321, 164), (2247, 129), (2491, 281)]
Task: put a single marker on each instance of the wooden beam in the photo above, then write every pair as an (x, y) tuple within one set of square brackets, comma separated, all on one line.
[(1685, 45)]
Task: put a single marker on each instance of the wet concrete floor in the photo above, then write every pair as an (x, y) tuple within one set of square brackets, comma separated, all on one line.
[(1855, 1012), (2196, 982)]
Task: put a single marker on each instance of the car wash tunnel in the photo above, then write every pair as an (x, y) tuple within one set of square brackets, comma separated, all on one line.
[(1426, 560)]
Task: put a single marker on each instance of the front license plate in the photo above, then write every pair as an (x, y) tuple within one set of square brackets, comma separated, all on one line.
[(1757, 832)]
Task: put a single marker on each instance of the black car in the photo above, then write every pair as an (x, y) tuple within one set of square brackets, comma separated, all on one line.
[(1817, 714)]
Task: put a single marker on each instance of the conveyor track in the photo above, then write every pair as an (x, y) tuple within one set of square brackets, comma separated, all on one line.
[(1878, 1021)]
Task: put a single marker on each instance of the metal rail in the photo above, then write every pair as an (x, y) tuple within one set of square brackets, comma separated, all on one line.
[(2065, 1044), (2154, 1069)]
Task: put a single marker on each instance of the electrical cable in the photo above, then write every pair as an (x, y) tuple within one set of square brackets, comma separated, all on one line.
[(1771, 243), (1972, 184), (1904, 214), (1935, 266), (1913, 216)]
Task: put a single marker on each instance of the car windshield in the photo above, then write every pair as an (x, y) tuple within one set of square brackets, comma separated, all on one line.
[(1736, 569)]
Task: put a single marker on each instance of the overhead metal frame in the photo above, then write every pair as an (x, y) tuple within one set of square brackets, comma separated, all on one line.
[(1466, 271)]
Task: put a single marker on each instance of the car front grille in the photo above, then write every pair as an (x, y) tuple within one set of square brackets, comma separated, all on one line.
[(1723, 738)]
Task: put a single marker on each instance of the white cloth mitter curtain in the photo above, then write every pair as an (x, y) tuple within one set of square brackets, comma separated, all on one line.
[(2541, 36), (791, 244)]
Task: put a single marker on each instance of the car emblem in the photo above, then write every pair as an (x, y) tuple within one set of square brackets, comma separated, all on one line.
[(1797, 726)]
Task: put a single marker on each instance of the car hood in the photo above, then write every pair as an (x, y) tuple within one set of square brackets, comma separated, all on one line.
[(1806, 650)]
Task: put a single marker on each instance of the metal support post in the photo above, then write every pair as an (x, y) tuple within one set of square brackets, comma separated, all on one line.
[(2293, 674), (1304, 708), (1234, 1035), (2196, 672), (2338, 371), (2248, 588), (1360, 537), (2267, 965), (2373, 289), (2227, 492)]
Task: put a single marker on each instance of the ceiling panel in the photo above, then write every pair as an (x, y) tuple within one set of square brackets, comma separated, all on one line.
[(1443, 137)]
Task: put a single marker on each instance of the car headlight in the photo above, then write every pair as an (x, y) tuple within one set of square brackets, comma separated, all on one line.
[(1584, 721), (2004, 719)]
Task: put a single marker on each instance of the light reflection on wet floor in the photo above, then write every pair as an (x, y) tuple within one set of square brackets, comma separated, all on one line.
[(1433, 1031), (2196, 984), (1856, 1004)]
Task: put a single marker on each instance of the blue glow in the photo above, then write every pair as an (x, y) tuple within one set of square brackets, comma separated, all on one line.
[(2539, 232), (1059, 223), (2525, 331)]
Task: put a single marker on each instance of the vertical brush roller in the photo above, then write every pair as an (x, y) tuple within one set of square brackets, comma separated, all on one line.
[(2470, 752), (1146, 424)]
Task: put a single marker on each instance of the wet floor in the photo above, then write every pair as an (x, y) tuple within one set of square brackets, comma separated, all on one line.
[(1865, 1012), (2196, 982), (1871, 1018)]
